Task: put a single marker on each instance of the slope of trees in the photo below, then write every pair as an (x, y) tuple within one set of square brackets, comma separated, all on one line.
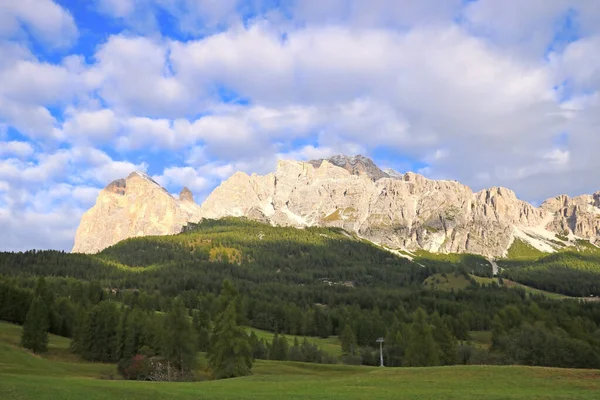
[(567, 272), (311, 282)]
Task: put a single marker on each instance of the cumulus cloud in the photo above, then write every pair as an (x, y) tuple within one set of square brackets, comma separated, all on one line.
[(16, 148), (98, 125), (134, 76), (45, 19), (485, 92), (183, 176)]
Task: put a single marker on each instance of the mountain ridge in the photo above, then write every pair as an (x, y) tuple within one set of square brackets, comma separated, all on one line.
[(400, 211)]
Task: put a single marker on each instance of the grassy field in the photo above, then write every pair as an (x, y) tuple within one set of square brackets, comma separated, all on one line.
[(330, 345), (59, 376), (449, 282)]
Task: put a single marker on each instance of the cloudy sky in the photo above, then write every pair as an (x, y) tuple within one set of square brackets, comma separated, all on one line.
[(488, 92)]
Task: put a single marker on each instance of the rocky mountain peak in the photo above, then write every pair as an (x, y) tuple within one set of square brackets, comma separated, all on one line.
[(405, 211), (186, 195), (356, 165), (117, 186), (392, 173), (130, 207)]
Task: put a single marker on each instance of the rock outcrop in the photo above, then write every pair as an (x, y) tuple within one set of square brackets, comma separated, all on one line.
[(579, 216), (405, 211), (186, 195), (400, 211), (135, 206)]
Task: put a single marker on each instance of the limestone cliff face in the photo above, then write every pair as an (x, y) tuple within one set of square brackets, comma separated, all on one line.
[(135, 206), (578, 215), (401, 211)]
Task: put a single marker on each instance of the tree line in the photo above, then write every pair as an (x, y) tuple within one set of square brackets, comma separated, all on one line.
[(314, 282)]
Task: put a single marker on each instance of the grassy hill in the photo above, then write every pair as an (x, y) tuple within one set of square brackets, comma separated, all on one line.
[(458, 281), (24, 376), (330, 345)]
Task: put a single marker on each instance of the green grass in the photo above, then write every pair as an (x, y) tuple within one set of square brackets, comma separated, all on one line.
[(448, 281), (484, 281), (557, 296), (451, 282), (24, 376), (330, 345), (520, 250)]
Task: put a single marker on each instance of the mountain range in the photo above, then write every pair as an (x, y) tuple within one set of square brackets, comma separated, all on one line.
[(402, 212)]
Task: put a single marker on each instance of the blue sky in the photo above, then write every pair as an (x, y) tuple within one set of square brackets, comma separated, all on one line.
[(486, 92)]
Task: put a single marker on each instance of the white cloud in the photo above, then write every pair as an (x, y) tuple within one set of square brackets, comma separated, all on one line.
[(32, 120), (46, 20), (195, 17), (183, 176), (391, 13), (28, 230), (135, 78), (42, 199), (96, 126), (16, 148), (117, 8), (31, 81), (143, 132), (29, 87), (464, 89), (579, 64)]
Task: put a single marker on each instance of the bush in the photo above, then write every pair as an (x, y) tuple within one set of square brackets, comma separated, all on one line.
[(136, 368)]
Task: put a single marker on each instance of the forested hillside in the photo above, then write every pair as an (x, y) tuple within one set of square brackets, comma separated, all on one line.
[(310, 282), (573, 271)]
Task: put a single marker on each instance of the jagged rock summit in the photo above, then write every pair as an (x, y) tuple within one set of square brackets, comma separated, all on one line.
[(400, 211), (186, 195), (135, 206)]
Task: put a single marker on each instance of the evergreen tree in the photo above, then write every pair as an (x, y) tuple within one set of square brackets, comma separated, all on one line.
[(35, 330), (322, 322), (122, 335), (79, 327), (395, 344), (279, 348), (230, 353), (201, 323), (295, 353), (178, 339), (422, 350), (348, 340), (99, 335), (446, 342)]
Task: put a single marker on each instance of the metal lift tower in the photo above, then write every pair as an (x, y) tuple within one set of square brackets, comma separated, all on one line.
[(380, 341)]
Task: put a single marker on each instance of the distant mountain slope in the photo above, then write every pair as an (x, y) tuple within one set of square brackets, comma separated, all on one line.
[(405, 212)]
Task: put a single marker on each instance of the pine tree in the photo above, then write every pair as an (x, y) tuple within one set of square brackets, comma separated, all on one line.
[(201, 322), (446, 342), (295, 353), (35, 330), (279, 348), (178, 341), (230, 353), (422, 350), (348, 340), (79, 326), (122, 335)]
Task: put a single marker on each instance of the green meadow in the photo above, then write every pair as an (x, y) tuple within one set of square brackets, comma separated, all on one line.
[(59, 375)]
